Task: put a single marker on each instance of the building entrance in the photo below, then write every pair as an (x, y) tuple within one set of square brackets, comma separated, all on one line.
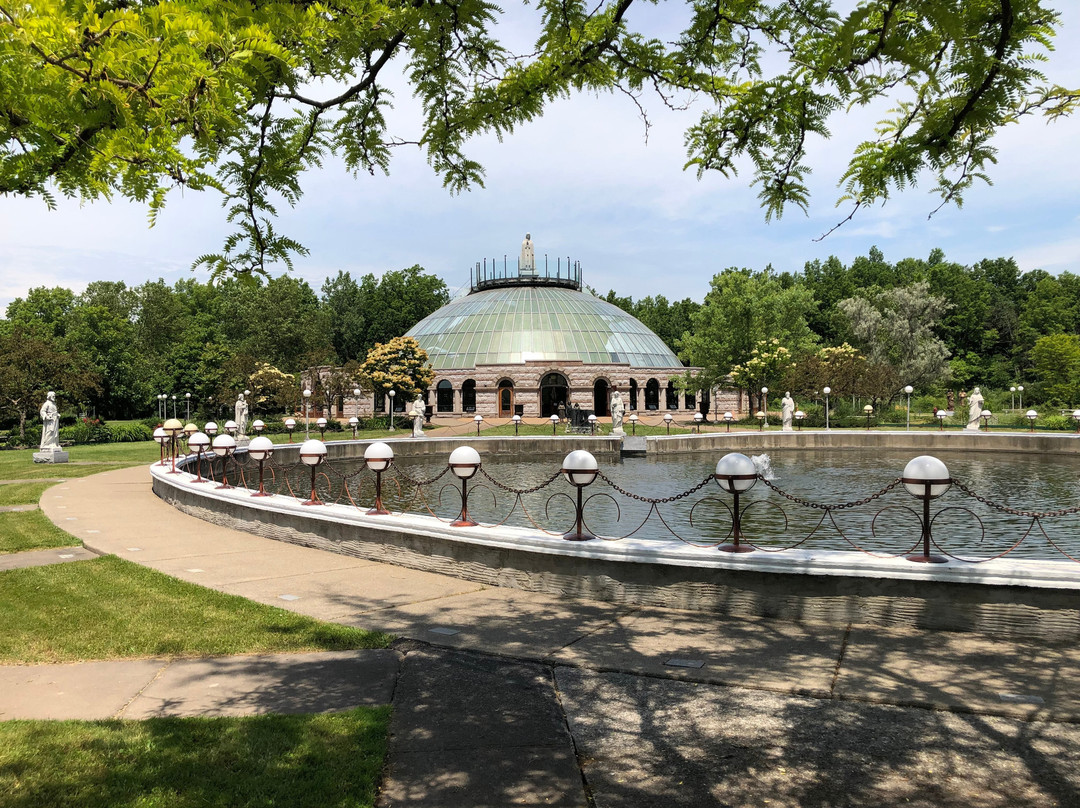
[(554, 391)]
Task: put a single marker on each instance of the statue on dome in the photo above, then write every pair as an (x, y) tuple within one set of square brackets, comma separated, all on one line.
[(527, 263)]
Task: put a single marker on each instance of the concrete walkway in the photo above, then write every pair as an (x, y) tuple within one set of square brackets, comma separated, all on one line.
[(507, 697)]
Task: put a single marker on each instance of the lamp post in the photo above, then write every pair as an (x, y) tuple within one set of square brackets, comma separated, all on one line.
[(187, 402), (985, 415), (760, 414), (391, 395), (162, 437), (633, 423), (478, 419), (517, 422), (1012, 398), (728, 418), (174, 405), (826, 391), (698, 418), (926, 478), (356, 395), (230, 427), (258, 425), (464, 463), (307, 419), (580, 469), (1076, 417), (189, 430), (667, 421), (909, 390), (554, 423), (260, 450), (290, 425), (1031, 415), (378, 457), (354, 422), (210, 429), (765, 406), (799, 415), (592, 423), (1020, 392), (321, 424), (869, 410), (736, 474), (941, 415), (312, 454), (173, 428), (224, 446)]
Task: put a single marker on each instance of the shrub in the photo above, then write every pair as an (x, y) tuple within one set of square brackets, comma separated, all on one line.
[(87, 430), (131, 433)]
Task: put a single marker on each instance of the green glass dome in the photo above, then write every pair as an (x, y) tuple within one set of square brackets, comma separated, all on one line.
[(524, 323)]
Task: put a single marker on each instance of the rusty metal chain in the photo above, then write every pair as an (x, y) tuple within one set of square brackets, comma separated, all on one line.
[(1013, 511), (650, 500), (419, 483), (823, 507), (520, 491)]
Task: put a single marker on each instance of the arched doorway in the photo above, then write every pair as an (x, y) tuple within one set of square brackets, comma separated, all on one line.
[(468, 396), (554, 390), (506, 398), (444, 396), (600, 398), (652, 394), (671, 397), (633, 394)]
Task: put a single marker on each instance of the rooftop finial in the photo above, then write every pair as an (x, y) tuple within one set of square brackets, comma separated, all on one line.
[(527, 265)]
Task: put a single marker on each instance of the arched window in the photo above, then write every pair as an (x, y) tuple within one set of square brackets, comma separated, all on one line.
[(652, 394), (506, 398), (468, 396), (600, 398), (554, 392), (633, 394), (689, 401), (671, 398), (444, 396)]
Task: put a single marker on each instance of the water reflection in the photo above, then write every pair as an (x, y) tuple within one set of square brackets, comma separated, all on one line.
[(888, 525)]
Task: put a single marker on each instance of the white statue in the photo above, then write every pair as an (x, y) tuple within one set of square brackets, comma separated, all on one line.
[(50, 423), (241, 416), (975, 408), (617, 411), (787, 407), (419, 407), (528, 257)]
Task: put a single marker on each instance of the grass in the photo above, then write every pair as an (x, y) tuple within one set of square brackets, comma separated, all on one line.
[(329, 761), (31, 530), (18, 464), (544, 430), (109, 608), (22, 493)]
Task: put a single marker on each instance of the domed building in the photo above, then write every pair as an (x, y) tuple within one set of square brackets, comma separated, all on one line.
[(531, 342)]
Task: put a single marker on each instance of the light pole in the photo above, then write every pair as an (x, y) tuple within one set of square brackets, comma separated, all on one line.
[(926, 478), (736, 474), (464, 463), (1031, 415), (826, 391), (307, 421), (517, 422), (1012, 398), (633, 424), (378, 457), (479, 419), (728, 418), (667, 421), (1020, 390), (765, 406), (356, 394), (580, 469), (869, 410), (187, 401), (391, 395), (174, 405), (909, 390)]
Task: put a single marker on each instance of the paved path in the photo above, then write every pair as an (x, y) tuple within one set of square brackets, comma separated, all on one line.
[(508, 697)]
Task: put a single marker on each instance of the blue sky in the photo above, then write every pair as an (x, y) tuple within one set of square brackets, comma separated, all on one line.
[(584, 181)]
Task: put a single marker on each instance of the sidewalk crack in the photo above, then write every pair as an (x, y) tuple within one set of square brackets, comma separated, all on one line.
[(839, 661), (120, 713)]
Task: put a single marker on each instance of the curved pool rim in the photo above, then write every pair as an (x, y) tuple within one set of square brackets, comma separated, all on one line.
[(1006, 597)]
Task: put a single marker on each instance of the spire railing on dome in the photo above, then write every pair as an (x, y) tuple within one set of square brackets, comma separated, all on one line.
[(491, 273)]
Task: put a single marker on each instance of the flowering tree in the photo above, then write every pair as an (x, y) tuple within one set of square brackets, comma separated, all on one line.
[(400, 365)]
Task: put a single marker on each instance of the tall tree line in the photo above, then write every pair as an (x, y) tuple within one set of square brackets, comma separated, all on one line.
[(122, 346)]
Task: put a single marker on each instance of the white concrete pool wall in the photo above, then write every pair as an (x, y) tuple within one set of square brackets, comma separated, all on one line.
[(1005, 597)]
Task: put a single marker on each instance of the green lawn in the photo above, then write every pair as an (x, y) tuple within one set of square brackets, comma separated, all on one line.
[(109, 608), (18, 464), (31, 530), (330, 761)]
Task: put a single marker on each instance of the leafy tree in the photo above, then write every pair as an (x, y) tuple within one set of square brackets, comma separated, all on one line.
[(44, 311), (768, 364), (896, 328), (272, 389), (400, 365), (30, 366), (104, 97), (337, 383), (1056, 361), (741, 310), (343, 301), (400, 300), (107, 343)]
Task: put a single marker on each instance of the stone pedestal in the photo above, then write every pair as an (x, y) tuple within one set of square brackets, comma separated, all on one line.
[(619, 432), (242, 441), (51, 456)]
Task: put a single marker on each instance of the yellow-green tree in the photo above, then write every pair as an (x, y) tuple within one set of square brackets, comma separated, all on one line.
[(400, 365), (271, 387)]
